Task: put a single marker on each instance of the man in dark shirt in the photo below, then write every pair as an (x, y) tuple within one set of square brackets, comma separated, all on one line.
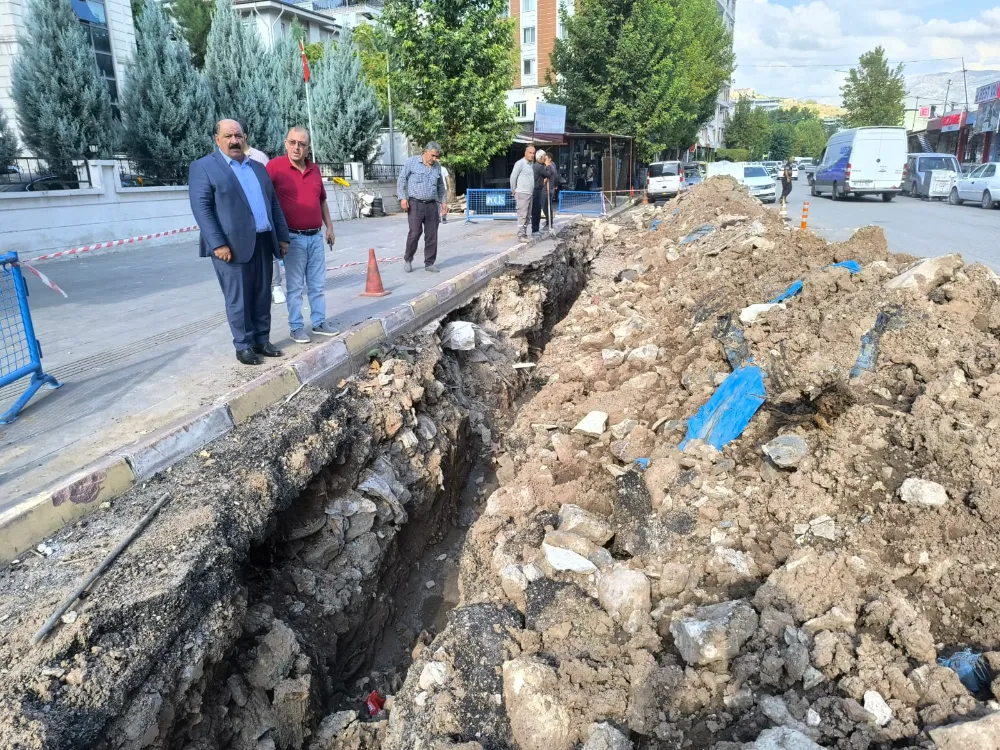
[(539, 195), (299, 187)]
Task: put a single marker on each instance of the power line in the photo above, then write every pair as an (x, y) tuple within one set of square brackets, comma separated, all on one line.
[(848, 64)]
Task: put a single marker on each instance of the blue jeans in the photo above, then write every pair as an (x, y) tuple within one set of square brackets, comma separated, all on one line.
[(305, 269)]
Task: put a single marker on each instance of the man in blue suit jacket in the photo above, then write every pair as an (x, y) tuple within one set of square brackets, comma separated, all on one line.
[(242, 229)]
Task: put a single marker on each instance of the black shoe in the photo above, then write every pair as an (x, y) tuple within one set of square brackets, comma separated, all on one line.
[(248, 357), (267, 350)]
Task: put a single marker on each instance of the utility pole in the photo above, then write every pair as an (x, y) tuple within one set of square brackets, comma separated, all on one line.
[(947, 91), (966, 80), (388, 97)]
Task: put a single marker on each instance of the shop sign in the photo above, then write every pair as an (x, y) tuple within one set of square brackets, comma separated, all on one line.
[(988, 92), (952, 122), (924, 112)]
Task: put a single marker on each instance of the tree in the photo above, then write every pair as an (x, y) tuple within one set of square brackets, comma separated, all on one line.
[(194, 17), (791, 116), (749, 128), (62, 101), (782, 138), (167, 110), (348, 120), (8, 142), (652, 69), (809, 138), (285, 76), (452, 69), (873, 92), (239, 82), (372, 42)]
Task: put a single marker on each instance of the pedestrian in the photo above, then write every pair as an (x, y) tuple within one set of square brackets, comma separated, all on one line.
[(422, 194), (242, 229), (522, 184), (538, 193), (300, 191), (553, 181), (786, 182), (277, 295)]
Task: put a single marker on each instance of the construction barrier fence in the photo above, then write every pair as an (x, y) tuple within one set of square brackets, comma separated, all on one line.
[(582, 202), (483, 203), (20, 352)]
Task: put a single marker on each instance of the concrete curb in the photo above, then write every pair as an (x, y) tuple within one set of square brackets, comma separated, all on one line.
[(72, 497)]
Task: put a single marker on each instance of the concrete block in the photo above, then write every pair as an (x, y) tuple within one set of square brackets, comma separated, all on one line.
[(27, 523), (445, 291), (260, 393), (320, 360), (396, 319), (423, 304), (463, 281), (484, 270), (170, 444), (360, 338)]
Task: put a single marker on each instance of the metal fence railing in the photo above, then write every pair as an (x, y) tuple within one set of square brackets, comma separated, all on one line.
[(32, 174), (582, 202), (20, 352), (151, 172), (328, 169), (481, 203), (383, 172)]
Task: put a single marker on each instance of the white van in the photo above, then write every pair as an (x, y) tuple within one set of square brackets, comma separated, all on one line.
[(664, 179), (861, 161)]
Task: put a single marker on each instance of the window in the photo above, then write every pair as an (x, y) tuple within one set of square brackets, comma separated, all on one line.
[(946, 163), (520, 110), (527, 6), (284, 29), (989, 171), (664, 169), (529, 34), (978, 172), (95, 25), (529, 66), (754, 172)]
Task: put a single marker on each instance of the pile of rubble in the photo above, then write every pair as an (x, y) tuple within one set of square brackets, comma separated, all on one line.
[(797, 588)]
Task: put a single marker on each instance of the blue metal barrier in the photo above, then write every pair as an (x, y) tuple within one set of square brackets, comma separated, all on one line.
[(489, 204), (582, 202), (20, 352)]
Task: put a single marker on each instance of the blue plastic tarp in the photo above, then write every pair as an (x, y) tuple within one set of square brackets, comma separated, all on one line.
[(868, 354), (697, 234), (655, 225), (851, 265), (970, 667), (729, 410)]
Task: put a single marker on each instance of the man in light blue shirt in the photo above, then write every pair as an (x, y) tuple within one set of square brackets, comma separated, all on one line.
[(242, 229)]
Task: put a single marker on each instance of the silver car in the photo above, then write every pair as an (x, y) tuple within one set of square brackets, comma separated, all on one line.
[(981, 186)]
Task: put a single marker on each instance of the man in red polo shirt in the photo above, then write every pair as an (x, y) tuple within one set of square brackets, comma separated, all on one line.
[(300, 191)]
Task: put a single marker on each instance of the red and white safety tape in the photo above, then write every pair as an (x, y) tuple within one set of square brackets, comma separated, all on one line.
[(42, 277), (111, 243), (363, 263)]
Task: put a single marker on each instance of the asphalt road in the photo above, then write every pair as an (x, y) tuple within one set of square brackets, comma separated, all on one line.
[(917, 227)]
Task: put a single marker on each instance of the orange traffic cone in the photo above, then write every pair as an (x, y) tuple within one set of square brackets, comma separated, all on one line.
[(373, 284)]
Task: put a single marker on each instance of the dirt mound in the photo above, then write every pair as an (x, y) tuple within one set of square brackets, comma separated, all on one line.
[(795, 593)]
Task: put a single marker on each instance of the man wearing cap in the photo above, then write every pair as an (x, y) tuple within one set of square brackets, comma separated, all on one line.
[(424, 197)]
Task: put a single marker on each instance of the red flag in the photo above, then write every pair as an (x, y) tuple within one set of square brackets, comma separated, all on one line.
[(305, 63)]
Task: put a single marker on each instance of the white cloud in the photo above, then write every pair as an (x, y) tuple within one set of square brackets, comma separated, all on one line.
[(835, 33)]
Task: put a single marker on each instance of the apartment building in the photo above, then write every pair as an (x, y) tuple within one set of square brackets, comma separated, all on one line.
[(713, 134), (538, 25), (273, 20), (109, 28)]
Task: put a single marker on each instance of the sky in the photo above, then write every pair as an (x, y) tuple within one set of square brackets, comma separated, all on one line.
[(834, 33)]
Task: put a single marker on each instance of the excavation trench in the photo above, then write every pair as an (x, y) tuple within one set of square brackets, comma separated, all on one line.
[(300, 559)]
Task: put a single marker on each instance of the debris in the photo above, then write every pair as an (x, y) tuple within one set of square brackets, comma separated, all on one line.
[(868, 355), (624, 593), (538, 719), (787, 451), (729, 410), (923, 493), (926, 274), (603, 736), (733, 341), (70, 617), (576, 520), (981, 734), (971, 668), (783, 738), (697, 234), (875, 705), (523, 365), (374, 703), (612, 358), (563, 559), (434, 674), (459, 335), (592, 424), (749, 315), (714, 632)]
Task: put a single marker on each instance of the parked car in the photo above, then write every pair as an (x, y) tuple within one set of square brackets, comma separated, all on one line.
[(983, 185), (916, 175), (692, 176), (754, 176), (862, 161), (37, 184), (664, 179)]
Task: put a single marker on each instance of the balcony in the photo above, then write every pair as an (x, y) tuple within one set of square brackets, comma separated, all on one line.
[(357, 6)]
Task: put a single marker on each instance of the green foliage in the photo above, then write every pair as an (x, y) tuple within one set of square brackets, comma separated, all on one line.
[(346, 114), (652, 69), (452, 68), (874, 93), (732, 154), (749, 129), (137, 6), (167, 110), (792, 115), (194, 17), (372, 43), (239, 81), (8, 141), (62, 101), (287, 79), (782, 138), (314, 50), (809, 139)]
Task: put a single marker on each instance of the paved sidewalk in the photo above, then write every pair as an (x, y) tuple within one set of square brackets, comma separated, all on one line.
[(143, 339)]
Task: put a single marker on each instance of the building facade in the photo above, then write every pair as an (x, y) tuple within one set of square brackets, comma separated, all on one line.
[(109, 28), (538, 25), (713, 133), (273, 20)]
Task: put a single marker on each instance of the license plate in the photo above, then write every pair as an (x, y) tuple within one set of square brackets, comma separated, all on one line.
[(861, 182)]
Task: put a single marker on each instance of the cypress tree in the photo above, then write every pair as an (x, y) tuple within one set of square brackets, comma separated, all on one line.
[(62, 101), (239, 81), (286, 78), (167, 110), (8, 141), (346, 113)]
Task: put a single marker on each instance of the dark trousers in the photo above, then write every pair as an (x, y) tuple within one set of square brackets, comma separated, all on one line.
[(548, 200), (536, 208), (423, 217), (246, 288)]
